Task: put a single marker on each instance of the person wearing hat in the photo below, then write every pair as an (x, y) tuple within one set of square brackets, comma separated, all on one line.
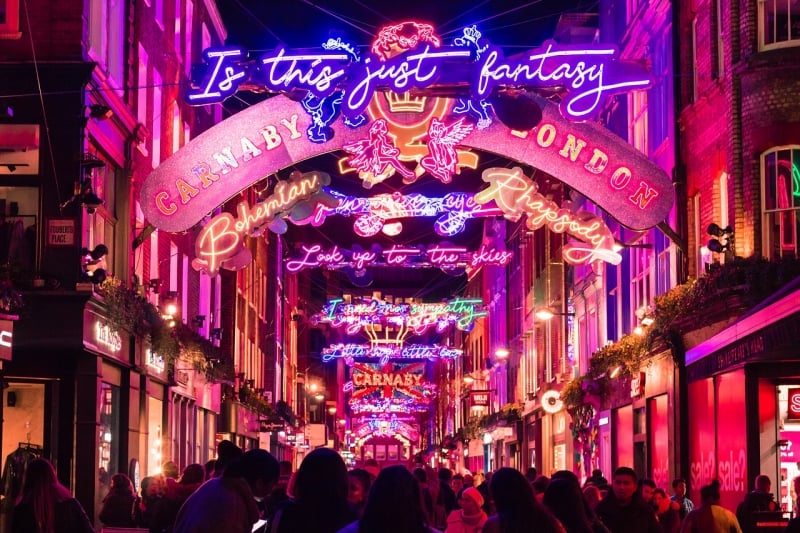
[(470, 517)]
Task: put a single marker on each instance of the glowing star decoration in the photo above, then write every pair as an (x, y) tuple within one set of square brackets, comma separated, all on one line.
[(219, 243), (373, 213), (416, 317), (398, 386), (376, 157), (517, 195), (442, 141), (443, 256), (387, 352)]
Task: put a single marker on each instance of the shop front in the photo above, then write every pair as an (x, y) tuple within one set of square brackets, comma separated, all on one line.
[(742, 383)]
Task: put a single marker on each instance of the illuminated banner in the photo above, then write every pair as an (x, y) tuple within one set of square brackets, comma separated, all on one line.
[(444, 256), (386, 352), (219, 243), (418, 317), (373, 213), (398, 385), (517, 195), (589, 74)]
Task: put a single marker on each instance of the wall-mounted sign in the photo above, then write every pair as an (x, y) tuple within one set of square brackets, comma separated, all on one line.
[(107, 337), (551, 402), (443, 256), (6, 339), (418, 317), (637, 385), (793, 406), (60, 232)]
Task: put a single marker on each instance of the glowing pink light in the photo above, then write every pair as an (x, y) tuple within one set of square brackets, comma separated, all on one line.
[(384, 353)]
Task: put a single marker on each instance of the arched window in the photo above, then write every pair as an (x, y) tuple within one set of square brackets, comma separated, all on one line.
[(781, 201)]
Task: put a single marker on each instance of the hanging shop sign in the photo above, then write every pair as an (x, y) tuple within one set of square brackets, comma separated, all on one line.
[(479, 398), (418, 317), (373, 214), (444, 256), (386, 352), (6, 339), (385, 112), (398, 387)]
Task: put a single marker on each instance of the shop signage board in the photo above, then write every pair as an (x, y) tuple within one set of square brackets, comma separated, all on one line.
[(6, 339)]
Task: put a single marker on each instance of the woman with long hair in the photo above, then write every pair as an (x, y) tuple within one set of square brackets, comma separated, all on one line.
[(393, 506), (118, 505), (517, 509), (564, 498), (320, 496), (45, 505)]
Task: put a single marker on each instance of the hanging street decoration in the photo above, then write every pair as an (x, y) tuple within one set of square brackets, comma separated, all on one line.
[(417, 317), (445, 256), (385, 425), (517, 195), (220, 242), (373, 214), (399, 386), (386, 352)]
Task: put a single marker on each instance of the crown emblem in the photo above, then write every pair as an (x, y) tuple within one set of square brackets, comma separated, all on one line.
[(405, 103)]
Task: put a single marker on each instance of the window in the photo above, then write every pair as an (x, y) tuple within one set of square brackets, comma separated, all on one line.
[(157, 119), (100, 225), (718, 70), (9, 19), (781, 201), (694, 60), (107, 37), (637, 130), (641, 278), (661, 101), (778, 23), (187, 34)]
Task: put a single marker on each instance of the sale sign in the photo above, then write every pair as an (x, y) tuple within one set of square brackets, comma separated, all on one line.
[(793, 408)]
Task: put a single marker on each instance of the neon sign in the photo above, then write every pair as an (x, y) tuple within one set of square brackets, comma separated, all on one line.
[(589, 74), (219, 242), (385, 352), (516, 195), (446, 257), (453, 209), (418, 317)]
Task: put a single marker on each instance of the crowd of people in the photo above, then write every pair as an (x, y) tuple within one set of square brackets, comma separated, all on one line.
[(244, 492)]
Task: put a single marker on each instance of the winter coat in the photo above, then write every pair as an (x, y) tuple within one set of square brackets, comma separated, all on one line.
[(223, 504), (636, 517), (118, 508)]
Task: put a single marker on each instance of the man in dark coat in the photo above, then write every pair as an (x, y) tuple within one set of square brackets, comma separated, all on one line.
[(622, 510)]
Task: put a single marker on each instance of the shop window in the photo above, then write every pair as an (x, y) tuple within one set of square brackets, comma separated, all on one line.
[(778, 24), (18, 227), (781, 201), (9, 19), (108, 436)]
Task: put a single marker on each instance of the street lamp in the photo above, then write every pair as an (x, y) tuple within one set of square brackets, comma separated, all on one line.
[(546, 313)]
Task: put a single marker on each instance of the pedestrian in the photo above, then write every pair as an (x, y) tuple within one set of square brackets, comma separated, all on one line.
[(669, 518), (446, 501), (228, 503), (118, 508), (563, 497), (359, 482), (469, 517), (425, 493), (152, 490), (622, 509), (646, 489), (226, 453), (394, 506), (175, 494), (710, 517), (679, 496), (46, 506), (518, 510), (320, 496), (597, 479), (759, 500)]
